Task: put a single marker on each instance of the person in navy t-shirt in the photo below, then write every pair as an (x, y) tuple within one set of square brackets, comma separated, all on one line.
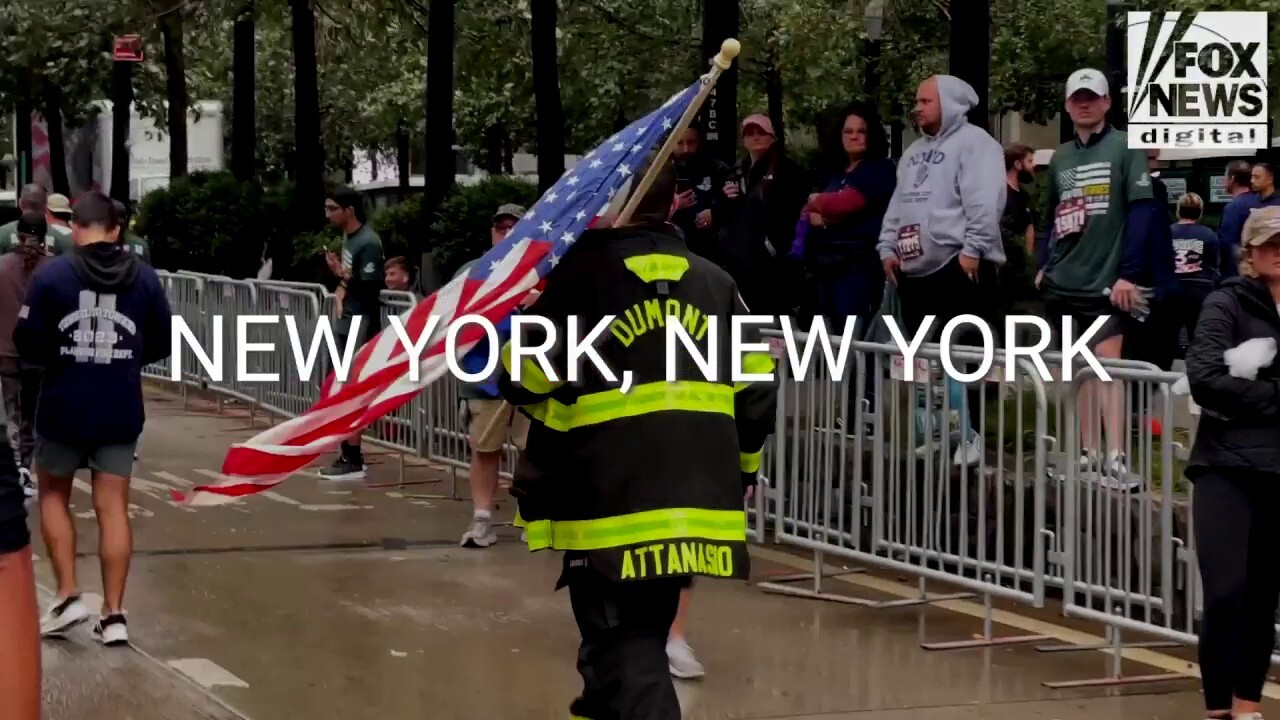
[(1196, 262), (839, 246), (92, 319)]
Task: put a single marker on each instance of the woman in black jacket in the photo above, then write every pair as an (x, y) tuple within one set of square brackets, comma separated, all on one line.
[(762, 205), (1235, 466)]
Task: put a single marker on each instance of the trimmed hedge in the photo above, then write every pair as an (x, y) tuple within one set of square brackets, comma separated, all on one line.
[(214, 223)]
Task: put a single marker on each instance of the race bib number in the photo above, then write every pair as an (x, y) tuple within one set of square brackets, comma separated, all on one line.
[(909, 242), (1069, 217)]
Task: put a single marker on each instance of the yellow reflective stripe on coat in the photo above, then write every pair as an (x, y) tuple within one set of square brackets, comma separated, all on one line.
[(600, 407), (755, 363), (531, 376), (657, 266), (749, 462), (642, 527)]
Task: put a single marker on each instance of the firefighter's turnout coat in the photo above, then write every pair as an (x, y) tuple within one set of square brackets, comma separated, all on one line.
[(646, 483)]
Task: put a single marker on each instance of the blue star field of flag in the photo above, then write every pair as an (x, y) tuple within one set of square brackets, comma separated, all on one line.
[(562, 214), (565, 211)]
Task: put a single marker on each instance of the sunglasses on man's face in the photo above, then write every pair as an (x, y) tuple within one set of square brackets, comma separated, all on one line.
[(328, 207)]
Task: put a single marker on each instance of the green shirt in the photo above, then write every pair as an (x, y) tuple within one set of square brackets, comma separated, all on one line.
[(138, 246), (362, 263), (57, 239), (1090, 186)]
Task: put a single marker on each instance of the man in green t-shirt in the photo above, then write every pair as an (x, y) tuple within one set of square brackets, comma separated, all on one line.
[(1097, 207), (360, 275), (34, 198)]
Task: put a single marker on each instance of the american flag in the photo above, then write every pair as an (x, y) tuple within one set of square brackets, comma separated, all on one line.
[(379, 379)]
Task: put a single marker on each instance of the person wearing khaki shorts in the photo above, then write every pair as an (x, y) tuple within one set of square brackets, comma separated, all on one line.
[(491, 424)]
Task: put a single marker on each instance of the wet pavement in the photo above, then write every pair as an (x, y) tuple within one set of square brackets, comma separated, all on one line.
[(349, 600)]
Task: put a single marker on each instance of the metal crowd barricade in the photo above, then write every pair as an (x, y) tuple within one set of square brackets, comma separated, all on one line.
[(1129, 557), (293, 394), (887, 494), (186, 300), (225, 301), (861, 467)]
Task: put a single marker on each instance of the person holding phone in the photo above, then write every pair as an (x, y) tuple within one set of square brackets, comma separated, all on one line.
[(763, 200), (700, 178), (360, 276)]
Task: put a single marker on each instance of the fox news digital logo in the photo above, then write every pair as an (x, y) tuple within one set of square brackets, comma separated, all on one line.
[(1198, 80)]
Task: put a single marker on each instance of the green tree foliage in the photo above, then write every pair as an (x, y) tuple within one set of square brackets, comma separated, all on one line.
[(212, 222), (1036, 44)]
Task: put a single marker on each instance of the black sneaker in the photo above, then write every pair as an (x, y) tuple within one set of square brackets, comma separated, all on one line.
[(28, 485), (112, 630), (345, 468)]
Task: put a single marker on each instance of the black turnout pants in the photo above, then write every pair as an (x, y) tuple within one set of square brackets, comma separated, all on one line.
[(623, 656), (946, 294), (1236, 539)]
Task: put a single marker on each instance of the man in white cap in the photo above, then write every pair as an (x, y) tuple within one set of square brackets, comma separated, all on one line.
[(1099, 209)]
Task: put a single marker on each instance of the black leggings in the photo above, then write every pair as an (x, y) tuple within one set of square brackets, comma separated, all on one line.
[(1236, 538)]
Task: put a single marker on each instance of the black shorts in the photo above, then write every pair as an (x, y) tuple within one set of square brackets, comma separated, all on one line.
[(14, 534), (1083, 313), (370, 325)]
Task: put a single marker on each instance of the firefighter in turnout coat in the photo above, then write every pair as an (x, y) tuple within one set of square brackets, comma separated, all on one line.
[(643, 489)]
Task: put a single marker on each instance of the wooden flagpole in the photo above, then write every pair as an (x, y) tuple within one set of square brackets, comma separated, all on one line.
[(723, 60)]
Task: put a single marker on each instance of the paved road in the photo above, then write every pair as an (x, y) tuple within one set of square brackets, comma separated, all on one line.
[(351, 601)]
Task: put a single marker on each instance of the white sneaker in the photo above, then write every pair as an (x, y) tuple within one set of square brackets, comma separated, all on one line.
[(480, 534), (112, 630), (969, 452), (63, 616), (681, 662), (28, 485)]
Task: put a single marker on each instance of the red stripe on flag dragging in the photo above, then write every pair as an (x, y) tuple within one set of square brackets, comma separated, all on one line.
[(256, 466)]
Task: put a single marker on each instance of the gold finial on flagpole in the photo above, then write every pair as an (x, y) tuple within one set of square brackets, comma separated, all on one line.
[(723, 60)]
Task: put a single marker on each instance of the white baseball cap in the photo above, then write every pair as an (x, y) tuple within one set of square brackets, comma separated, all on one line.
[(1088, 79)]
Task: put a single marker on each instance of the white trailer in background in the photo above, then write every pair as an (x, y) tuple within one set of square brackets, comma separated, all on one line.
[(149, 147), (88, 149)]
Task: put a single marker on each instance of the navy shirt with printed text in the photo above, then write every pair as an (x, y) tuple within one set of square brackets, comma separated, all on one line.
[(92, 347)]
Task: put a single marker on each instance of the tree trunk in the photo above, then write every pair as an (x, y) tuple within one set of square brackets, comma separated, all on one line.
[(244, 138), (773, 95), (402, 159), (175, 70), (308, 153), (546, 93), (121, 109), (438, 145), (970, 53), (57, 145), (23, 171), (491, 159), (719, 114)]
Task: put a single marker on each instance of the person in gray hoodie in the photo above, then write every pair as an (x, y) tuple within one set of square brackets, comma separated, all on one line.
[(940, 242)]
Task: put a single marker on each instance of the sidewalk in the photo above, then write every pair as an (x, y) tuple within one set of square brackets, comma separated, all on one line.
[(368, 609)]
